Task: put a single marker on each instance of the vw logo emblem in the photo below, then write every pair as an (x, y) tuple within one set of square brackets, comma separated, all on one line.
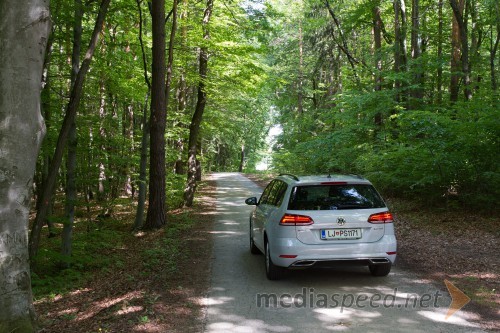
[(340, 221)]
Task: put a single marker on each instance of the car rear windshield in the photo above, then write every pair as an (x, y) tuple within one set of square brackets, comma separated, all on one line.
[(333, 197)]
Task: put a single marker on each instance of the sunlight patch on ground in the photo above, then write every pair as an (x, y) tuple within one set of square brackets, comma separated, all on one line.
[(458, 318), (106, 303), (217, 300)]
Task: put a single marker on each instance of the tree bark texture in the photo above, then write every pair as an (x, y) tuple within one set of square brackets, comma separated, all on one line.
[(24, 32), (156, 217), (71, 110), (194, 128)]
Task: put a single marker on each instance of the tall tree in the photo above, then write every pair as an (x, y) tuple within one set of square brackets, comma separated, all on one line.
[(417, 93), (461, 22), (440, 52), (300, 83), (377, 41), (24, 31), (455, 53), (194, 128), (494, 44), (400, 59), (71, 194), (156, 217), (71, 110), (141, 198)]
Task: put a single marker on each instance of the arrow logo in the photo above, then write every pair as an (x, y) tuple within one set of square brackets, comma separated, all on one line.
[(458, 299)]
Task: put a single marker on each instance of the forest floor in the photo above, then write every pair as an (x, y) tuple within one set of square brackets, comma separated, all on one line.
[(154, 281), (157, 281)]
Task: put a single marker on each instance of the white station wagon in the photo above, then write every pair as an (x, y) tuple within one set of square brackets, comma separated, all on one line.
[(322, 221)]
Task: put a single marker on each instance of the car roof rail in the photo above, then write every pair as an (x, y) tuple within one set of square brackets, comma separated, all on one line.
[(290, 175)]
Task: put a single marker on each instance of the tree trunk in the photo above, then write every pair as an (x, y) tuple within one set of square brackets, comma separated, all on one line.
[(71, 109), (47, 114), (242, 159), (194, 128), (141, 198), (461, 21), (440, 53), (156, 210), (399, 42), (102, 186), (24, 35), (417, 93), (494, 47), (377, 41), (72, 142), (455, 55), (300, 93), (182, 93)]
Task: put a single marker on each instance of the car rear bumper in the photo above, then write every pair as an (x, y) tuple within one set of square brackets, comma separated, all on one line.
[(289, 252)]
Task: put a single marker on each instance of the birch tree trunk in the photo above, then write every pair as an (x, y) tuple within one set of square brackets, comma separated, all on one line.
[(24, 31)]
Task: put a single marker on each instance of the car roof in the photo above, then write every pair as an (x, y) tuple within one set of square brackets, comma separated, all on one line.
[(317, 179)]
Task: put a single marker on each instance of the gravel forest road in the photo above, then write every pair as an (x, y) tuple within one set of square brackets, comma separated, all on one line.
[(241, 299)]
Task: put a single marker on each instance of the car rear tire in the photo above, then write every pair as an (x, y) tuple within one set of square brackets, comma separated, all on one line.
[(253, 249), (273, 272), (380, 270)]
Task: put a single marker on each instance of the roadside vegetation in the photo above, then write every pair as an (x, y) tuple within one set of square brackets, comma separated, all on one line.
[(123, 281)]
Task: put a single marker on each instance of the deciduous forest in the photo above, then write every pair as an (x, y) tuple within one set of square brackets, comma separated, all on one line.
[(108, 104)]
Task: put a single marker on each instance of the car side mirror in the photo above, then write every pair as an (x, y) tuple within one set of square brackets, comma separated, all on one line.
[(251, 201)]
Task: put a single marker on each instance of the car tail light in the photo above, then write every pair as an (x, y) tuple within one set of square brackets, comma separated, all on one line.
[(333, 183), (292, 219), (385, 217)]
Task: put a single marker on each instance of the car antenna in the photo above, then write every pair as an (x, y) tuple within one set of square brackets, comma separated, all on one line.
[(329, 176)]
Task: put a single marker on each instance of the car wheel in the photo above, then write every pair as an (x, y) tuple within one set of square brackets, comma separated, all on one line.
[(253, 249), (380, 270), (273, 272)]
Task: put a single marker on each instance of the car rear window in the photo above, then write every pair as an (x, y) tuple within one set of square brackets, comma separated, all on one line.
[(333, 197)]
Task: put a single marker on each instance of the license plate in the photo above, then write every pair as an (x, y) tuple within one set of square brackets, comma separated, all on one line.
[(341, 233)]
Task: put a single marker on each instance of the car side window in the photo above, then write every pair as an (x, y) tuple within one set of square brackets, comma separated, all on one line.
[(277, 193), (265, 195)]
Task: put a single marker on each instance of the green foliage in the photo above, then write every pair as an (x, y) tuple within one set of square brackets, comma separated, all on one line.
[(422, 148)]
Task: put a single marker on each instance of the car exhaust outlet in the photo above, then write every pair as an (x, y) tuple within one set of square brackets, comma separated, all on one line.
[(379, 261), (304, 263)]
